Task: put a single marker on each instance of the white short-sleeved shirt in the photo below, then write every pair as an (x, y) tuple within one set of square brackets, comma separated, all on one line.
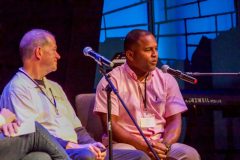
[(23, 96), (164, 98)]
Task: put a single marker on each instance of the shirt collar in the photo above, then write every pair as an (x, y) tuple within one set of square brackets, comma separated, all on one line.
[(44, 78), (133, 74)]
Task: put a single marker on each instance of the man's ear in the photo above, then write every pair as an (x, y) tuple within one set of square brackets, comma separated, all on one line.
[(38, 53), (129, 55)]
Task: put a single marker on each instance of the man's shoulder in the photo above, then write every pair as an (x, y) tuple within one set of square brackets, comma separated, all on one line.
[(115, 72), (16, 84), (18, 81), (160, 74), (118, 69), (114, 75), (157, 70)]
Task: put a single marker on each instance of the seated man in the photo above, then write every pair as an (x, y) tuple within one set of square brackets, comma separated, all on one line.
[(152, 97), (14, 148), (32, 96)]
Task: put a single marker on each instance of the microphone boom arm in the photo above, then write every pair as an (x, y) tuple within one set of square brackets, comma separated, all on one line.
[(213, 74)]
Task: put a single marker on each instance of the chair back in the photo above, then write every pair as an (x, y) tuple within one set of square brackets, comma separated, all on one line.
[(84, 109)]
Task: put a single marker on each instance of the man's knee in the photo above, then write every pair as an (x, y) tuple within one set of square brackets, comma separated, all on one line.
[(142, 155), (192, 154), (123, 146), (181, 151), (37, 156), (119, 154)]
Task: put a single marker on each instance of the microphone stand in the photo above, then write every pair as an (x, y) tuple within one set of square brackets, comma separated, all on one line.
[(212, 74), (110, 87)]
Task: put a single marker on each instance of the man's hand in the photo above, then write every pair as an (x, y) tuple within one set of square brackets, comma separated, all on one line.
[(95, 148), (160, 148), (8, 115), (9, 129)]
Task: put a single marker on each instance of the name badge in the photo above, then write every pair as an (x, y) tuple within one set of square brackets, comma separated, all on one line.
[(148, 121)]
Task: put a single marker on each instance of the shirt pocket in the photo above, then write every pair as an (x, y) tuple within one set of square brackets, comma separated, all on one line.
[(60, 104), (158, 102)]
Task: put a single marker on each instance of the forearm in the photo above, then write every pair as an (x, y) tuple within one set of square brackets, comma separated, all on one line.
[(123, 136), (173, 129), (83, 136)]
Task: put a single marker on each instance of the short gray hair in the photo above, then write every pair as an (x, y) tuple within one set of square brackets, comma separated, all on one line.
[(33, 39)]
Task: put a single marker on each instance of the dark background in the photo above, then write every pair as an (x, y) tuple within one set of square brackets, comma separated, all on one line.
[(75, 23)]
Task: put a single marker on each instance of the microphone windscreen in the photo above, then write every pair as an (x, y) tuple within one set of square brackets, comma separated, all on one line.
[(164, 68), (86, 50)]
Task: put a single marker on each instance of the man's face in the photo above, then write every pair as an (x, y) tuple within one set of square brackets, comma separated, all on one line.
[(50, 56), (145, 54)]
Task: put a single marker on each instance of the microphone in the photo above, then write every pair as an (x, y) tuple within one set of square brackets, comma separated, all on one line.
[(178, 74), (88, 51)]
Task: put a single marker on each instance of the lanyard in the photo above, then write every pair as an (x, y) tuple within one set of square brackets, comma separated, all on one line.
[(54, 103), (145, 93)]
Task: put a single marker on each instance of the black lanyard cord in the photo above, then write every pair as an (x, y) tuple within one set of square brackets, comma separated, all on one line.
[(145, 93), (54, 103)]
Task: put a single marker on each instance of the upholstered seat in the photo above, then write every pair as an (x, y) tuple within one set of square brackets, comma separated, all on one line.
[(84, 110)]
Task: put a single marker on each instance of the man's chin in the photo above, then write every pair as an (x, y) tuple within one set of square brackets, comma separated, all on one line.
[(152, 68), (52, 70)]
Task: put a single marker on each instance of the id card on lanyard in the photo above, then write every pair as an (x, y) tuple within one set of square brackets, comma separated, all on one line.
[(148, 120)]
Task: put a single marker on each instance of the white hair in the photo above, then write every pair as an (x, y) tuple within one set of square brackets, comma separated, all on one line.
[(33, 39)]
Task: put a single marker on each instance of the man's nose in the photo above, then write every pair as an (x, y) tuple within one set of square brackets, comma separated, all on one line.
[(154, 52), (58, 55)]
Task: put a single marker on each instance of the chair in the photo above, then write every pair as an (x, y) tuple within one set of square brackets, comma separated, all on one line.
[(84, 109)]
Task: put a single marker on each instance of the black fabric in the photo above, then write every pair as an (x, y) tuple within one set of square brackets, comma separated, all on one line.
[(40, 82)]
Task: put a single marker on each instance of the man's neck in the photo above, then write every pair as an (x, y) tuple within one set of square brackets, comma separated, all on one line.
[(140, 74), (141, 77), (34, 73)]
